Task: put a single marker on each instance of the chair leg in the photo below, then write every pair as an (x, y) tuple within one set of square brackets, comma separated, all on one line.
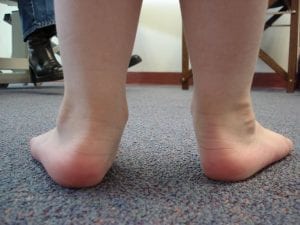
[(186, 73), (294, 47)]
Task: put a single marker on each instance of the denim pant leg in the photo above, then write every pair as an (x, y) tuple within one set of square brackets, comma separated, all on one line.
[(35, 14)]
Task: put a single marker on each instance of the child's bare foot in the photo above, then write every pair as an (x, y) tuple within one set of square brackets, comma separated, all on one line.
[(234, 146), (81, 149)]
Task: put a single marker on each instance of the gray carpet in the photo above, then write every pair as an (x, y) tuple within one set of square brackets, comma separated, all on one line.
[(156, 178)]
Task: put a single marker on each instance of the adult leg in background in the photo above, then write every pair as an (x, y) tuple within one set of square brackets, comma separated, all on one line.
[(223, 39), (38, 25), (96, 39)]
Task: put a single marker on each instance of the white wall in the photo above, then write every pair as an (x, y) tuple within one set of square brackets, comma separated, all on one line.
[(158, 39), (276, 43), (5, 31)]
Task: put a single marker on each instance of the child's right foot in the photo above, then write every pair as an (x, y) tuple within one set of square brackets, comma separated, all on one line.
[(234, 146)]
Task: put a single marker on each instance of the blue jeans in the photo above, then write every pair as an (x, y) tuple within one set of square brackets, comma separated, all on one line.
[(35, 14)]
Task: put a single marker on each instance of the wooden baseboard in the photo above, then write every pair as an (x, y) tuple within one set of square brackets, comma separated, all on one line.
[(154, 78), (268, 80), (261, 80)]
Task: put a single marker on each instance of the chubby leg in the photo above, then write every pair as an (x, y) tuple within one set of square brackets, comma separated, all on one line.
[(223, 39), (96, 39)]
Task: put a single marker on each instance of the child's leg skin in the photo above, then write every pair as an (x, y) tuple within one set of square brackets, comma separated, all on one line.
[(96, 40), (223, 39)]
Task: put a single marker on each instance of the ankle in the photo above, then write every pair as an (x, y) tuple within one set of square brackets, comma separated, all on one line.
[(214, 128), (216, 104), (79, 123), (223, 113)]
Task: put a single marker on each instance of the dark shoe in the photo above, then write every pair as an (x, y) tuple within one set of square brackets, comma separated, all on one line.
[(42, 62), (135, 59)]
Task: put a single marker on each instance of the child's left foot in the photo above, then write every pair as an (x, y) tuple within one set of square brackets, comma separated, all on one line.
[(81, 149)]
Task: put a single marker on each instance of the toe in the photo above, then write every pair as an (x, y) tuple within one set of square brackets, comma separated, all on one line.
[(33, 148), (290, 145)]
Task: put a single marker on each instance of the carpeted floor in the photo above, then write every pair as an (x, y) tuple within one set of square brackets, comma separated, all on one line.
[(156, 178)]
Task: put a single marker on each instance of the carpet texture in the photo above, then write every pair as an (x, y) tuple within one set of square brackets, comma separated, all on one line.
[(156, 178)]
